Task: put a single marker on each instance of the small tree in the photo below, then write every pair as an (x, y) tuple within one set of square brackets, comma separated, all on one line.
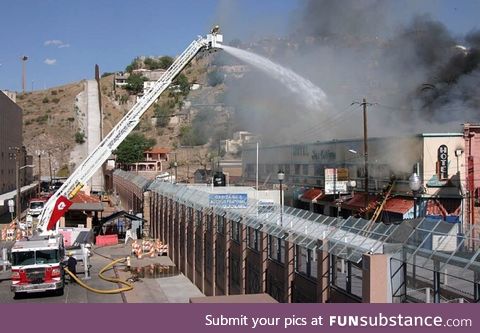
[(165, 62), (135, 83), (79, 137), (182, 83), (162, 113), (132, 148), (151, 63)]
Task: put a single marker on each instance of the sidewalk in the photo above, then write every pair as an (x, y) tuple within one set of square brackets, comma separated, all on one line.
[(160, 281)]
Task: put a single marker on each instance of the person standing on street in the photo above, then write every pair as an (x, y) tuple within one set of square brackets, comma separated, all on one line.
[(72, 265)]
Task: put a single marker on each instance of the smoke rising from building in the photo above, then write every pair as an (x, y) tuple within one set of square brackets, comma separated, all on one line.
[(421, 77)]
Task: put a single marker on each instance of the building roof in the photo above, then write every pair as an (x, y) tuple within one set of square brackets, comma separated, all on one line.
[(158, 150), (398, 205), (358, 201), (83, 201), (119, 214), (312, 195)]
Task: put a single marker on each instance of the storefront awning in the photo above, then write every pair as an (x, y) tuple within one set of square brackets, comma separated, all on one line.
[(398, 205), (312, 195), (358, 201)]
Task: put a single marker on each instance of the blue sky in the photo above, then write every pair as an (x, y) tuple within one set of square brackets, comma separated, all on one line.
[(64, 39)]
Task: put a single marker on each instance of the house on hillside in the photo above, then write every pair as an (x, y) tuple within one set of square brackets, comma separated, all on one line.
[(120, 79), (234, 146), (154, 161)]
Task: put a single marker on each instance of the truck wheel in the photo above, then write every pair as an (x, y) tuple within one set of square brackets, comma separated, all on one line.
[(17, 295), (59, 292)]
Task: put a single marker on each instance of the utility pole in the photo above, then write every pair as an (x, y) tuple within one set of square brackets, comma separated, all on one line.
[(50, 164), (14, 155), (365, 149)]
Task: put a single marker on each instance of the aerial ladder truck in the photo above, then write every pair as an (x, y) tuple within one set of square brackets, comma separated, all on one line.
[(36, 261)]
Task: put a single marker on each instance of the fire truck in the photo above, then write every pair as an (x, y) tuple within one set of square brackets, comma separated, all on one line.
[(37, 260), (36, 265)]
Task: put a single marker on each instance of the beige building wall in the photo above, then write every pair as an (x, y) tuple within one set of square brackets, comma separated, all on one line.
[(431, 144), (10, 136)]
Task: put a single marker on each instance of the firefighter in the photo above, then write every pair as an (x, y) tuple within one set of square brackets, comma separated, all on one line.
[(72, 265)]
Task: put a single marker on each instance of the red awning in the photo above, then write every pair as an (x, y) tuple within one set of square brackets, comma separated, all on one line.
[(84, 198), (398, 205), (312, 195), (358, 201)]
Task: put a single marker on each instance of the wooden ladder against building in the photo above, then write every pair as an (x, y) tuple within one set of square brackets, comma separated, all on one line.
[(379, 208)]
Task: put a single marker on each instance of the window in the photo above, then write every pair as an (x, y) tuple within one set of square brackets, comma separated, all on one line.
[(198, 218), (276, 248), (305, 169), (190, 215), (297, 169), (287, 169), (236, 231), (318, 169), (306, 263), (235, 269), (209, 223), (253, 238), (221, 225)]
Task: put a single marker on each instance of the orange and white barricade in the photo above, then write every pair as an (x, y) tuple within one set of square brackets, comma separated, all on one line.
[(148, 248), (161, 248), (136, 248), (10, 234), (4, 234)]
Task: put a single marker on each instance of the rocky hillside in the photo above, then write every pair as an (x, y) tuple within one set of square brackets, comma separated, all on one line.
[(52, 119)]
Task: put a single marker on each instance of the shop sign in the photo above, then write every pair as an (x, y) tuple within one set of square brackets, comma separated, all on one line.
[(228, 200)]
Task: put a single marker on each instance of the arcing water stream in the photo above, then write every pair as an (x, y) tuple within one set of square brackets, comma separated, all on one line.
[(313, 96)]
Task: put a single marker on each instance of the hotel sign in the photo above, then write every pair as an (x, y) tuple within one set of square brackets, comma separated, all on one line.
[(442, 169)]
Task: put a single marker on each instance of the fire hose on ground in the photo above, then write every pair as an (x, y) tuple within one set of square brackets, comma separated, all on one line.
[(127, 285)]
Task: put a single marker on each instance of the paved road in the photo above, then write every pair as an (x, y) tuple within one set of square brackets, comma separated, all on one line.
[(159, 283)]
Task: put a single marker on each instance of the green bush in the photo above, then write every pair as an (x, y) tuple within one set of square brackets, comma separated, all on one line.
[(132, 148), (56, 100), (45, 100), (163, 113), (79, 137), (135, 83), (53, 92)]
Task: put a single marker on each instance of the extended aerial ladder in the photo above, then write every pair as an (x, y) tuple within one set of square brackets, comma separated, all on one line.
[(59, 203)]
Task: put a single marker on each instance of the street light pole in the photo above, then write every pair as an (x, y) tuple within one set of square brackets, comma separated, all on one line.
[(39, 153), (415, 184)]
